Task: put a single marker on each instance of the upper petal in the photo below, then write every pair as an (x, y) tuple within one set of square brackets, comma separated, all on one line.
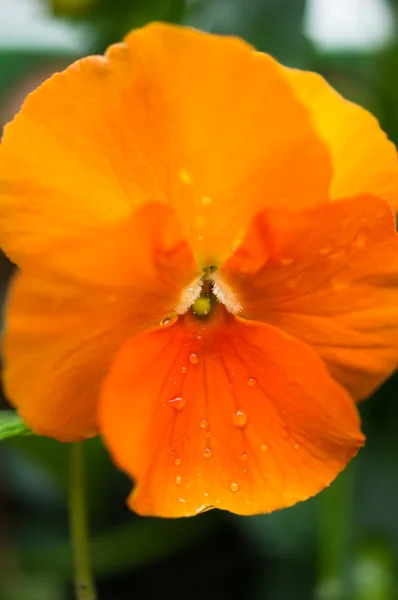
[(198, 121), (227, 414), (363, 159), (328, 276)]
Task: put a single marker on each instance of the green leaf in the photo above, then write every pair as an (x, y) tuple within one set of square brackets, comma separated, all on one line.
[(12, 425)]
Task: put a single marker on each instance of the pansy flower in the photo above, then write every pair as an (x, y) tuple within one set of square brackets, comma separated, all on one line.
[(208, 269)]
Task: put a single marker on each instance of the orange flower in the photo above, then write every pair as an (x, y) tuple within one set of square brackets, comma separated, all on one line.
[(208, 269)]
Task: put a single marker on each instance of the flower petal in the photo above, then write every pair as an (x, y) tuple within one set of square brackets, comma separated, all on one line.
[(328, 276), (364, 160), (224, 413), (200, 122), (66, 321)]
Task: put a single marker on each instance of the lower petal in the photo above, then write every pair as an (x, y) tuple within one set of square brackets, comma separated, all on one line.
[(224, 413)]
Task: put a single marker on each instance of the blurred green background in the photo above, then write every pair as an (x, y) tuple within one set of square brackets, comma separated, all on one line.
[(342, 545)]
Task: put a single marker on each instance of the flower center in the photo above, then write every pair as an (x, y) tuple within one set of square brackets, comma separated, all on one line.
[(201, 296)]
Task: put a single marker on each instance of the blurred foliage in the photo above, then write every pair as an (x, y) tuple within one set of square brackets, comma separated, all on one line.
[(110, 20), (341, 545)]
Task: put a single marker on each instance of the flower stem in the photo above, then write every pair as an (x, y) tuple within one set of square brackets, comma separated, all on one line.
[(335, 537), (84, 582)]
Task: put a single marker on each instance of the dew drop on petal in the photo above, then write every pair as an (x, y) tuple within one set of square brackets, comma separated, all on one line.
[(169, 320), (184, 370), (178, 402), (264, 447), (206, 494), (181, 500), (207, 453), (296, 446), (243, 456), (234, 487), (285, 261), (240, 418), (208, 434), (251, 382), (362, 237), (185, 437), (178, 479), (203, 423), (177, 462), (325, 250), (193, 358)]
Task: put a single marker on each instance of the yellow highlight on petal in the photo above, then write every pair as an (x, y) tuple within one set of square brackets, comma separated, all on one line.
[(201, 306), (185, 176)]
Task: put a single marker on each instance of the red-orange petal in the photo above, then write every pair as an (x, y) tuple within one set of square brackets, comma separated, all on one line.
[(224, 413), (363, 159), (65, 321), (200, 122), (328, 276)]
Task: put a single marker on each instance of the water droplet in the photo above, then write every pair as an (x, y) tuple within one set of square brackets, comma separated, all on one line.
[(203, 423), (296, 446), (185, 437), (362, 237), (207, 453), (166, 321), (178, 479), (208, 434), (240, 418), (285, 261), (193, 358), (234, 487), (181, 500), (177, 462), (206, 494), (171, 449), (207, 200), (243, 456), (177, 403), (325, 250), (184, 370), (251, 382), (264, 447)]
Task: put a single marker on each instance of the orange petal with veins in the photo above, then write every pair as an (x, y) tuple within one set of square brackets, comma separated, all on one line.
[(224, 413), (328, 276)]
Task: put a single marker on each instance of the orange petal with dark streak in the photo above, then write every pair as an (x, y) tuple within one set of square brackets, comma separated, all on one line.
[(224, 413), (328, 276)]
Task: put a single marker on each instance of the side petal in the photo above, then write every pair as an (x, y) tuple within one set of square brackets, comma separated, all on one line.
[(363, 159), (197, 121), (65, 322), (227, 414), (328, 276)]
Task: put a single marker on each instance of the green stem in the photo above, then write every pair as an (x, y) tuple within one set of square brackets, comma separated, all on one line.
[(84, 582), (335, 537)]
